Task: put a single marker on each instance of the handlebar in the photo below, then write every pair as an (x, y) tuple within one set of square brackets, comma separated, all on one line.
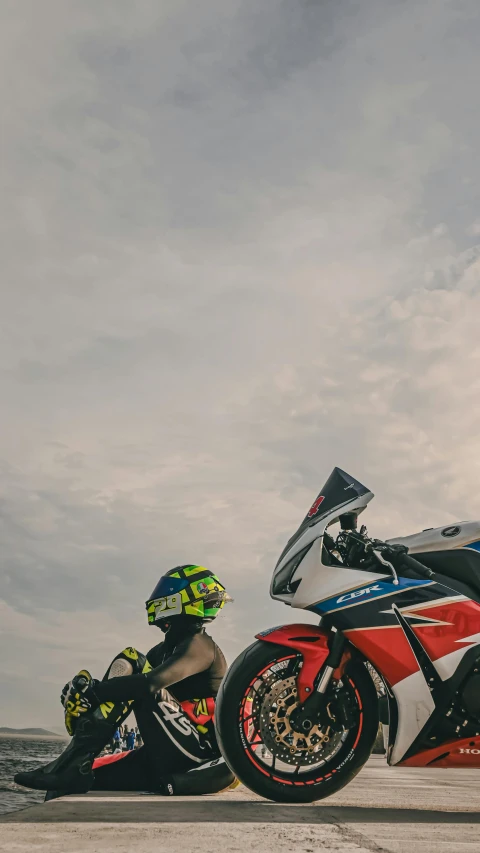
[(398, 558), (356, 545), (418, 568)]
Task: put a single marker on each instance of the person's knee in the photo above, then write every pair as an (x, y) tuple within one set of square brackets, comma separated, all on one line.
[(128, 662)]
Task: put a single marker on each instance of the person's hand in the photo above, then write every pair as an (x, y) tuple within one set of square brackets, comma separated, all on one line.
[(75, 698)]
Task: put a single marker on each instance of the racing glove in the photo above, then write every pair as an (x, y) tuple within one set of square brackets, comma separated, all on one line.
[(78, 697)]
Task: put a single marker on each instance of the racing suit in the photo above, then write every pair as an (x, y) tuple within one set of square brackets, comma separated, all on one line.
[(172, 694)]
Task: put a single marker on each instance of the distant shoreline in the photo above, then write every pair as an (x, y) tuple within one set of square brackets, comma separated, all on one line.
[(20, 736)]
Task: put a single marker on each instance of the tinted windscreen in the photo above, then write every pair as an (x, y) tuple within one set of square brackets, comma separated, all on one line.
[(339, 488)]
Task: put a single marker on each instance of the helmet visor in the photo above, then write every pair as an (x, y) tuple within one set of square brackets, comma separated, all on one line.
[(168, 586)]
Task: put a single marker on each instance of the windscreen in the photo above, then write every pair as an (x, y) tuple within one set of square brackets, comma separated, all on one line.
[(339, 490)]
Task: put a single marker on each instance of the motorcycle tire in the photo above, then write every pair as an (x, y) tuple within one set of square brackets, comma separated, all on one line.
[(272, 782)]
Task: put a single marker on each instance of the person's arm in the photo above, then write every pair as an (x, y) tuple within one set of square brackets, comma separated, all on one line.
[(194, 654)]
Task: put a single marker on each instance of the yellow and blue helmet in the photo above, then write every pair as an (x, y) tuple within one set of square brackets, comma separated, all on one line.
[(186, 591)]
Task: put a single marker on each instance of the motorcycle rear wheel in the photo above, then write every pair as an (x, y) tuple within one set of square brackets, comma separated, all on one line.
[(252, 714)]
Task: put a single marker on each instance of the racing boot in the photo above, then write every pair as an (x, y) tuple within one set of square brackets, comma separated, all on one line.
[(54, 795), (72, 771)]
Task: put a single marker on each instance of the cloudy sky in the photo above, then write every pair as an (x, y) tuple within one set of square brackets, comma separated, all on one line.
[(241, 245)]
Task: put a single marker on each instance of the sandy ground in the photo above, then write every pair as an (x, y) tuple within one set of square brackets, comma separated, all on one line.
[(385, 810)]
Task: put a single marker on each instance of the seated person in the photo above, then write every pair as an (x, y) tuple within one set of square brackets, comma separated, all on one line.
[(172, 692)]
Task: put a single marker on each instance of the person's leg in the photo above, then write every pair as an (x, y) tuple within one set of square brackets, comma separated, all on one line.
[(172, 748), (170, 739), (130, 773), (175, 759), (72, 770), (211, 777), (171, 745), (180, 759)]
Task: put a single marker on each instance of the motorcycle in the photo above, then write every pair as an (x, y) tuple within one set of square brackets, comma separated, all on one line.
[(297, 713)]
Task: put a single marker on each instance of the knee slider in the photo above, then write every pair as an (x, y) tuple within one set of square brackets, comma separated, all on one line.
[(128, 662), (119, 668)]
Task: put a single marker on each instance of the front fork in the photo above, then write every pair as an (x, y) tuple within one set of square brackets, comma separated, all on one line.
[(325, 653), (333, 661), (315, 707)]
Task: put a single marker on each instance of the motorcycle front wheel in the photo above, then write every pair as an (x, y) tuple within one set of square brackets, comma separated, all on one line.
[(253, 710)]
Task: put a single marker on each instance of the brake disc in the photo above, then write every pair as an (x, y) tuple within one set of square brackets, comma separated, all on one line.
[(273, 709)]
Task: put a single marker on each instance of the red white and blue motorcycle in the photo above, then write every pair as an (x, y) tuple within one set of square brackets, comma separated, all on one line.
[(297, 713)]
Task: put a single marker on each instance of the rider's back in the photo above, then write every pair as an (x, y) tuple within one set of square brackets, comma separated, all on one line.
[(196, 652)]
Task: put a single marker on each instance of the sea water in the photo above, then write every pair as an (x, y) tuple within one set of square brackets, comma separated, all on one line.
[(18, 754)]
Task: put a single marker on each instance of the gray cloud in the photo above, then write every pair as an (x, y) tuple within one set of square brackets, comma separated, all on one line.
[(239, 248)]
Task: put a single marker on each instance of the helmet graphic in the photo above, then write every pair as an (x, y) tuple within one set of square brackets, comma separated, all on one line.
[(189, 591)]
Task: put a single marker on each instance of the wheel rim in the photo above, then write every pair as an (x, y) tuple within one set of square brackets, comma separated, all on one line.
[(268, 738)]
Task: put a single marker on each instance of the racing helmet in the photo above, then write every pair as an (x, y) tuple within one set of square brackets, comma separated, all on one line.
[(186, 591)]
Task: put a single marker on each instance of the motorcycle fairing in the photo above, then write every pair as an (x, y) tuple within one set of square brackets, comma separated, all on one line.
[(415, 645), (441, 632), (377, 588), (317, 582), (341, 494), (455, 753)]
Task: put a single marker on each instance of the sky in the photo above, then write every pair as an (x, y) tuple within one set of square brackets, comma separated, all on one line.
[(241, 245)]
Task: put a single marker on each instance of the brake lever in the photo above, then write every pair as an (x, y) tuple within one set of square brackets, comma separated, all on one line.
[(381, 559)]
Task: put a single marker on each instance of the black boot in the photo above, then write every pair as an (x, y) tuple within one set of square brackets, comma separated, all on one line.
[(54, 795), (72, 771)]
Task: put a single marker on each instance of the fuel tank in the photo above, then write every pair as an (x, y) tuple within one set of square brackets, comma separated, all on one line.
[(463, 534)]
